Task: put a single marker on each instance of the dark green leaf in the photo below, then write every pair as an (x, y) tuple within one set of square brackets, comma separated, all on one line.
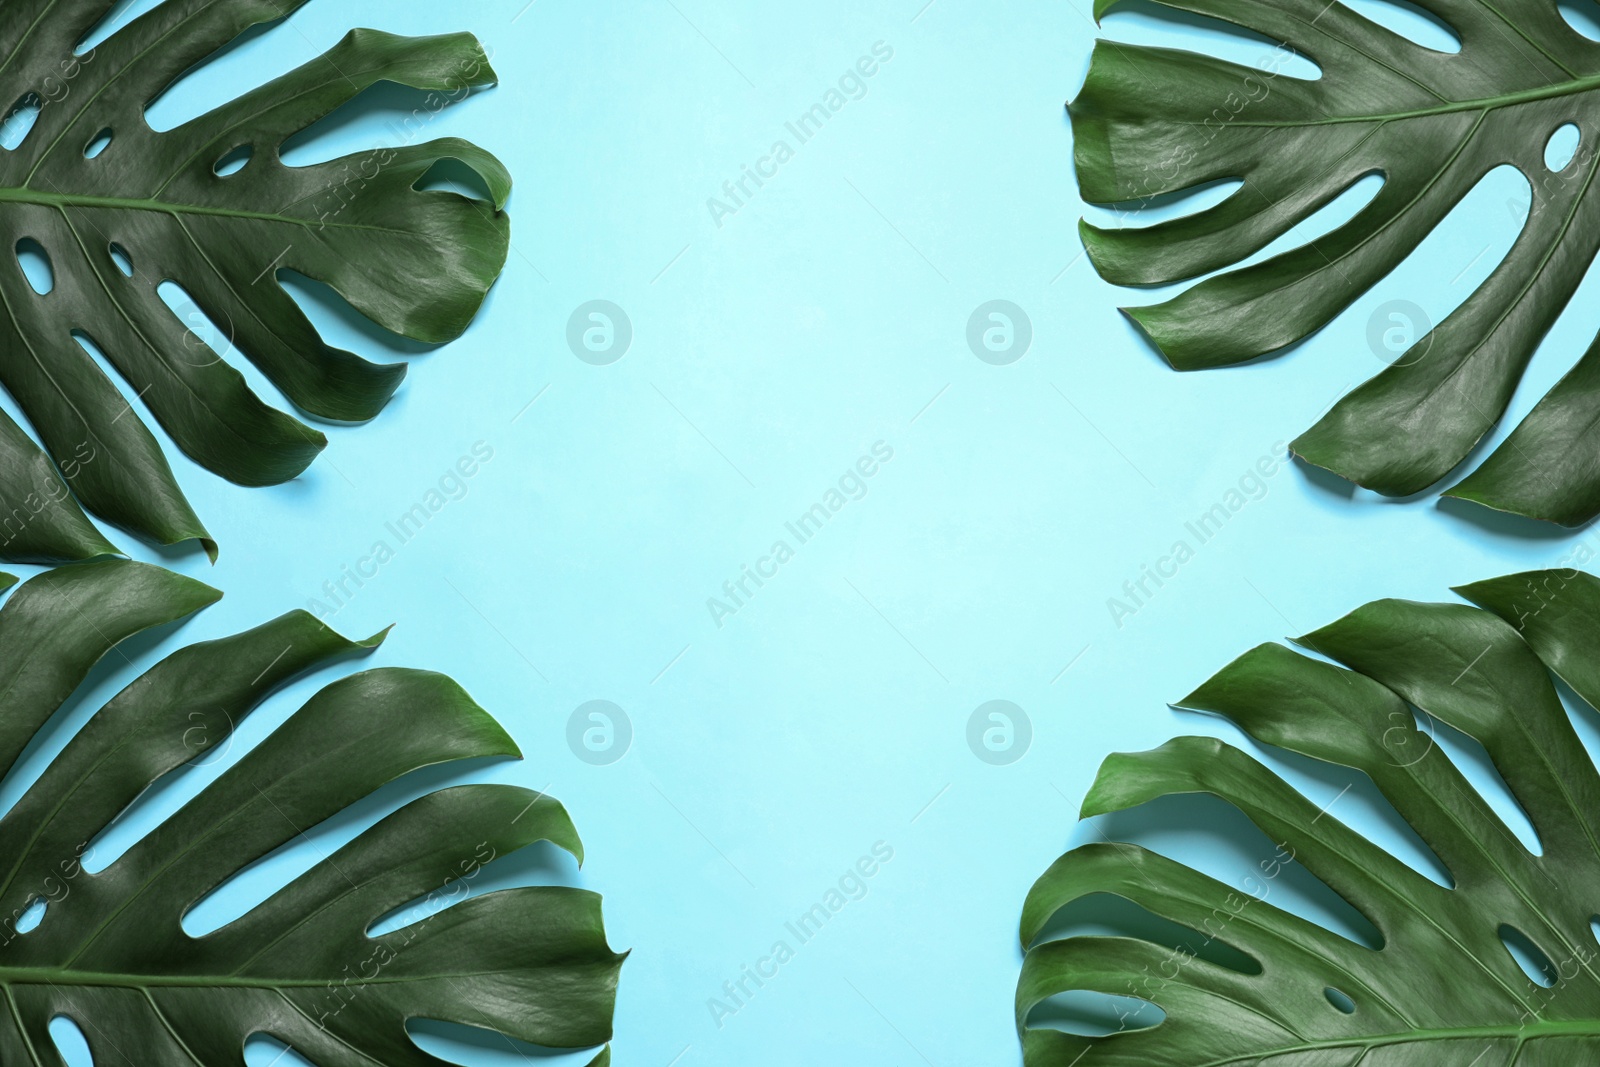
[(1442, 988), (416, 262), (1152, 121), (110, 951)]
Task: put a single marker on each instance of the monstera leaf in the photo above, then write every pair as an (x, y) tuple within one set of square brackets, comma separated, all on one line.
[(114, 209), (1152, 121), (1250, 983), (110, 951)]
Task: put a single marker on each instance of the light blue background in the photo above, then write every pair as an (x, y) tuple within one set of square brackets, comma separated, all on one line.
[(769, 353)]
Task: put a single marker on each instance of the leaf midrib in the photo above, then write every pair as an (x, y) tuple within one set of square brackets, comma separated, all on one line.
[(15, 976), (1484, 103), (1522, 1032), (15, 195)]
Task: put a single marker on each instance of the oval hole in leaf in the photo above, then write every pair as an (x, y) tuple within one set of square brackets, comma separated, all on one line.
[(1529, 956), (1473, 761), (1582, 15), (1090, 1014), (233, 161), (36, 266), (1340, 1000), (1562, 146), (101, 142), (19, 120), (1409, 21), (264, 1050), (31, 916), (70, 1042), (120, 257)]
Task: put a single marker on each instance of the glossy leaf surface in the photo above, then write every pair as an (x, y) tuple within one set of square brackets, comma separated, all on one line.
[(110, 951), (98, 211), (1254, 983), (1154, 121)]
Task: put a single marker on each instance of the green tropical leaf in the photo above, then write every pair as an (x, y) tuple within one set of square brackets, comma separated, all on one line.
[(1151, 121), (110, 952), (1249, 982), (116, 220)]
